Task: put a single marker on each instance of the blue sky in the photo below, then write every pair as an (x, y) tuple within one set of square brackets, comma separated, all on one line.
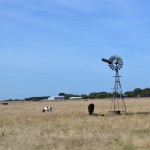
[(50, 46)]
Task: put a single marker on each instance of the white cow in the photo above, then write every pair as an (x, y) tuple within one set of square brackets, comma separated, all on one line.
[(48, 108)]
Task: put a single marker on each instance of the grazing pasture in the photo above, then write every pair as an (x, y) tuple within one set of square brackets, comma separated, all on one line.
[(70, 127)]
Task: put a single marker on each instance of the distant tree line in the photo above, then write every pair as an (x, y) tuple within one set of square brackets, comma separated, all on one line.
[(29, 99), (36, 98), (13, 100), (94, 95), (137, 92)]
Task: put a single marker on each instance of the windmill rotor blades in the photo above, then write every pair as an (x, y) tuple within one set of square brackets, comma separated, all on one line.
[(115, 62), (107, 61)]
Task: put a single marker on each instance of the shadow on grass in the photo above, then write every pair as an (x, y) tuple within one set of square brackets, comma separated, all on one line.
[(94, 114), (127, 113), (138, 113)]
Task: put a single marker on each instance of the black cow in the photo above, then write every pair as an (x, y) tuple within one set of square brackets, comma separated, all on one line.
[(91, 108)]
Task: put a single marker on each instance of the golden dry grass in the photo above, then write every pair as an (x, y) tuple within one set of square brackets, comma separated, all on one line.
[(69, 127)]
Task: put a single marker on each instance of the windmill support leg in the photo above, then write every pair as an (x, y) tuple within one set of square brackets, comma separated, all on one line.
[(118, 101)]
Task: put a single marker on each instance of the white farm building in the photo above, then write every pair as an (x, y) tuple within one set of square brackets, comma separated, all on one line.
[(75, 98), (56, 98)]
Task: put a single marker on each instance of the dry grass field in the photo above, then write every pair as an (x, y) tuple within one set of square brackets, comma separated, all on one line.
[(23, 126)]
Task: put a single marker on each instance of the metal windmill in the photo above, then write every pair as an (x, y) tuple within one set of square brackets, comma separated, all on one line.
[(116, 63)]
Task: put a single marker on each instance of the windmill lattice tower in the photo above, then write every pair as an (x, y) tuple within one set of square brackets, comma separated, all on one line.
[(116, 63)]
